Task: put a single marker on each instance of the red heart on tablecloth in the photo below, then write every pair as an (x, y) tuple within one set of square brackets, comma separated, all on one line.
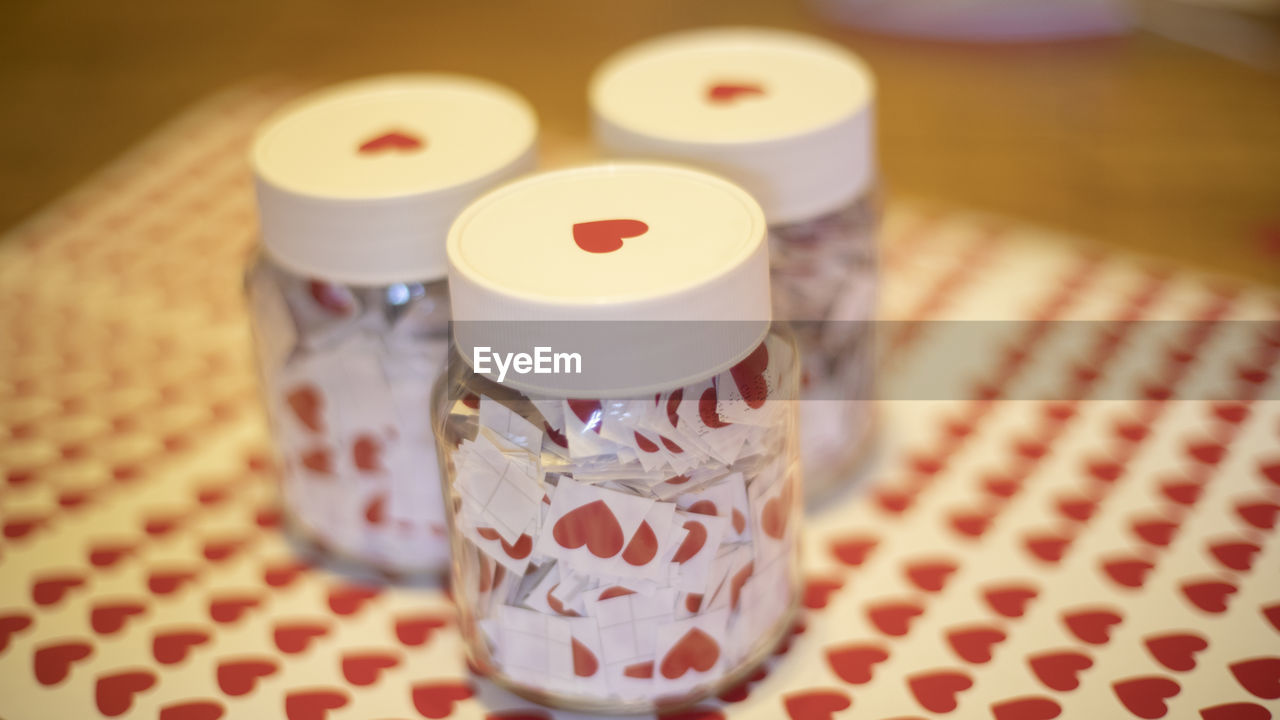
[(1010, 600), (1236, 555), (363, 668), (893, 501), (1209, 596), (1260, 514), (108, 554), (307, 402), (416, 630), (723, 93), (115, 692), (1272, 614), (937, 691), (163, 582), (10, 624), (1236, 711), (107, 618), (817, 591), (1271, 472), (606, 236), (348, 599), (1155, 531), (694, 650), (435, 700), (930, 575), (1133, 432), (398, 141), (853, 663), (853, 550), (815, 704), (216, 551), (1207, 452), (593, 525), (1049, 548), (1060, 670), (239, 677), (1029, 708), (172, 647), (1092, 626), (1183, 493), (926, 464), (643, 546), (893, 618), (1145, 696), (294, 637), (315, 704), (1128, 572), (975, 644), (53, 662), (585, 663), (230, 608), (1260, 676), (49, 590), (1176, 651), (970, 523), (279, 576), (1077, 508), (1107, 471), (1234, 413), (199, 710)]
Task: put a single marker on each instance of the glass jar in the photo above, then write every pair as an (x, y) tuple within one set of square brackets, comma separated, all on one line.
[(624, 528), (357, 186), (790, 119)]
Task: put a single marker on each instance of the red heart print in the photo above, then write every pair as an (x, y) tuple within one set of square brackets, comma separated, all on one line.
[(163, 582), (643, 546), (707, 409), (172, 647), (1236, 555), (815, 704), (315, 704), (1209, 453), (348, 599), (642, 670), (49, 590), (853, 551), (16, 529), (1155, 531), (1209, 596), (231, 608), (1176, 651), (366, 453), (723, 93), (521, 550), (970, 523), (279, 576), (737, 581), (435, 700), (1234, 413), (363, 668), (10, 624), (817, 591), (1260, 676), (217, 551), (199, 710), (606, 236), (1253, 376), (1030, 449), (748, 375), (1260, 514), (399, 141), (1183, 493), (238, 677), (593, 525), (1236, 711), (1133, 432), (307, 404), (1010, 600), (1128, 572), (893, 618), (693, 542), (697, 713), (853, 663), (695, 650), (115, 692), (584, 661), (333, 299), (556, 436), (926, 465), (1049, 548), (1271, 472), (554, 603), (108, 554), (1060, 670), (975, 644), (1092, 626), (1145, 696), (1027, 708), (294, 637), (1106, 471), (1077, 508), (53, 662), (1001, 486), (518, 715), (109, 618), (415, 630), (937, 691), (930, 576)]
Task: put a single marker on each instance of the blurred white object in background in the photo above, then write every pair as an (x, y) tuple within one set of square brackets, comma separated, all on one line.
[(983, 20)]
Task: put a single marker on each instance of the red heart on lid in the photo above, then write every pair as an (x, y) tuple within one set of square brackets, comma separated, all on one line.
[(200, 710), (894, 618), (606, 236), (727, 92), (392, 140)]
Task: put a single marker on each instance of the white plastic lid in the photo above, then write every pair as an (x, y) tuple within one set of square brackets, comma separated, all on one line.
[(657, 276), (787, 116), (359, 183)]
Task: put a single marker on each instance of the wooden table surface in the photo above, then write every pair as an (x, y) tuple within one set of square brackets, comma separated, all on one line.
[(1135, 141)]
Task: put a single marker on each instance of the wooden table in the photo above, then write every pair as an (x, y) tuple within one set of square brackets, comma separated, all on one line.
[(1135, 141)]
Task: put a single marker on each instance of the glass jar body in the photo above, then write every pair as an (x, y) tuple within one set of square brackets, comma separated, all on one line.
[(346, 373), (624, 555), (825, 280)]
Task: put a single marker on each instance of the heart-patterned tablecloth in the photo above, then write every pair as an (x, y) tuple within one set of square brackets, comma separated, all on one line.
[(1011, 559)]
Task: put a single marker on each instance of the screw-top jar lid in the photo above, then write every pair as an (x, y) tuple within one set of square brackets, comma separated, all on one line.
[(359, 183), (657, 276), (785, 115)]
